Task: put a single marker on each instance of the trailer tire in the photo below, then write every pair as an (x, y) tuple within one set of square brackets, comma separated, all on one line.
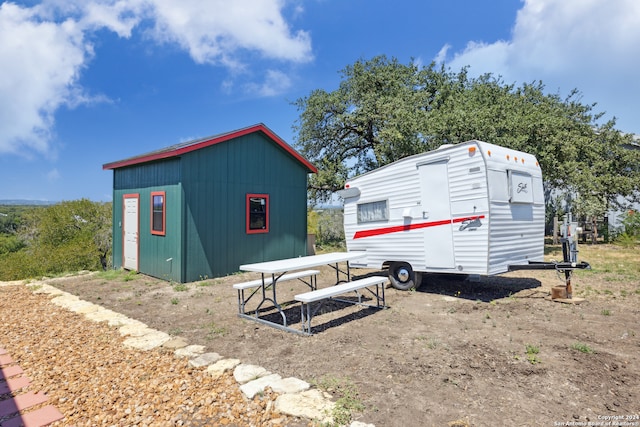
[(402, 276)]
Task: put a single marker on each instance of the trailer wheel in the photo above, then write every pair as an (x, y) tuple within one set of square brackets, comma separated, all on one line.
[(402, 276)]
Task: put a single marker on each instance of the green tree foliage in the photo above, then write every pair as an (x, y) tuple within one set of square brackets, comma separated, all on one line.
[(10, 223), (326, 225), (11, 218), (68, 236), (384, 111), (372, 119), (10, 244), (629, 234), (631, 224)]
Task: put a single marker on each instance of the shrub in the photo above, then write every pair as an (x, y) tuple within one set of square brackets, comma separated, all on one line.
[(65, 237), (631, 225)]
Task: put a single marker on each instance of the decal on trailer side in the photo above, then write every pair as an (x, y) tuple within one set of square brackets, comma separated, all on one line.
[(472, 223)]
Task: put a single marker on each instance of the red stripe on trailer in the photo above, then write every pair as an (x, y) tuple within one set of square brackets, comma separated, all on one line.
[(409, 227)]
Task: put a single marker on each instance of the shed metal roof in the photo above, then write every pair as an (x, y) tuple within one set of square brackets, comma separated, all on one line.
[(196, 144)]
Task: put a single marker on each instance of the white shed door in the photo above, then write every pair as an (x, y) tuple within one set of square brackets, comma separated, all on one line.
[(130, 232), (436, 213)]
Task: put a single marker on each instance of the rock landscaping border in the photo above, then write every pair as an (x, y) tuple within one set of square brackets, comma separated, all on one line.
[(295, 397)]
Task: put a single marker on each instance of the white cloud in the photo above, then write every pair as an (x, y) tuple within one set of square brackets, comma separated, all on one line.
[(40, 66), (44, 49), (591, 45), (275, 83), (215, 31), (53, 175), (442, 54), (119, 16)]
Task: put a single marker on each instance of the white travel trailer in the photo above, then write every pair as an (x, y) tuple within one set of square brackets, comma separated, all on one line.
[(471, 208)]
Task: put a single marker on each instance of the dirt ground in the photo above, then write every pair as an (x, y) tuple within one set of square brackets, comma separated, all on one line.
[(84, 370), (495, 351)]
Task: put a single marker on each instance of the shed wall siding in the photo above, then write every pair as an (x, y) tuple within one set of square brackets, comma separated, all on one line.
[(215, 181), (166, 172), (159, 256)]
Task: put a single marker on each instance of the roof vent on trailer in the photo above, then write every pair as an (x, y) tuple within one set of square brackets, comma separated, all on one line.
[(444, 146)]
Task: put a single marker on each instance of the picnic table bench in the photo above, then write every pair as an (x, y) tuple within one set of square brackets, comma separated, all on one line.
[(321, 295), (256, 285)]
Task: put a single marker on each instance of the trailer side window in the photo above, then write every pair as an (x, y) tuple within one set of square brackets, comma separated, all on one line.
[(373, 211), (520, 187), (498, 185), (257, 213)]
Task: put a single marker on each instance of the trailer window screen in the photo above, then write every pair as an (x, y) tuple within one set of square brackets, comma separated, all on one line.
[(521, 187), (158, 213), (257, 213), (373, 211)]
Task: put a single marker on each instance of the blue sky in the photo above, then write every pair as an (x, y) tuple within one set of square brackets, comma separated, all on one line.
[(87, 82)]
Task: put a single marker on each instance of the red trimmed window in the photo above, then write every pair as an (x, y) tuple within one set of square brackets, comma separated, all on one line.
[(158, 213), (257, 213)]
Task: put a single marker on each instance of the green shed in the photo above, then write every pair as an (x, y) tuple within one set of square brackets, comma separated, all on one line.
[(200, 209)]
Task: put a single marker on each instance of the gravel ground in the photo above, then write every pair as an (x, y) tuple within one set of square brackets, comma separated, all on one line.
[(93, 380)]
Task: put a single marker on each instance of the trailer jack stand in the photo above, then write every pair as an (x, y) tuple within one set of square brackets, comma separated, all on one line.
[(570, 257), (569, 288), (569, 263), (565, 293)]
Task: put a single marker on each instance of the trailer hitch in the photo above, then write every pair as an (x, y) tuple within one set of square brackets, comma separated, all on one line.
[(569, 255), (551, 265)]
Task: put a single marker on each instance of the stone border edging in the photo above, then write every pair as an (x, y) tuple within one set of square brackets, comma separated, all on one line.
[(296, 397)]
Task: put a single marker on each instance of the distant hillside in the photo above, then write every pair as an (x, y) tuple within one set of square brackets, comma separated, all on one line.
[(23, 202)]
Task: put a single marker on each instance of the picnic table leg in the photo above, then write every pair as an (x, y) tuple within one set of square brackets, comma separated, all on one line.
[(306, 317), (241, 301), (338, 271), (273, 287), (378, 296), (264, 296), (274, 300), (274, 280)]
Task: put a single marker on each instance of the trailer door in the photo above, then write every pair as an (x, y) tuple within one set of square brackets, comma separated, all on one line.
[(436, 212)]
